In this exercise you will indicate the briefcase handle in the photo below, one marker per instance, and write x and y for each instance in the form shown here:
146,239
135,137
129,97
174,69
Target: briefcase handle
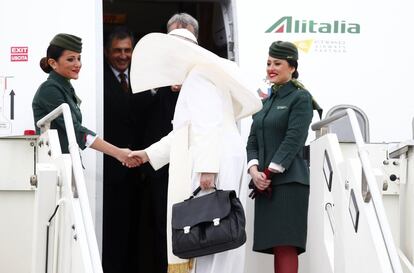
197,191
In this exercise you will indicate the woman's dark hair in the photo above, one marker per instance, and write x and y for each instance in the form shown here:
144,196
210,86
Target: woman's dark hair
53,52
294,63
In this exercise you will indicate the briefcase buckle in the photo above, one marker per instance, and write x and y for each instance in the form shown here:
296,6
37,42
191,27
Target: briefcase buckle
187,229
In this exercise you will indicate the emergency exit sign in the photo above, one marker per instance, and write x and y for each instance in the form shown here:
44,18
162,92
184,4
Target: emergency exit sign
19,54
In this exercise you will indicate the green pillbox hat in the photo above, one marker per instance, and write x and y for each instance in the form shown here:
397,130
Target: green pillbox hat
67,41
283,50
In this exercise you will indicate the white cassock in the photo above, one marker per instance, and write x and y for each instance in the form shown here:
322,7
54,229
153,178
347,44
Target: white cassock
205,138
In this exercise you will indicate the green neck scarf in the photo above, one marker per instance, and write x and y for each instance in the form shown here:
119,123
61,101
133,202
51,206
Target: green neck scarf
295,82
276,87
299,85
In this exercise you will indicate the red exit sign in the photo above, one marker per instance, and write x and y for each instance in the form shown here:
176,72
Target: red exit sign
19,54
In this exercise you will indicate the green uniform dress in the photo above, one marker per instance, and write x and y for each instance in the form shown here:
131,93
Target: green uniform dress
277,135
52,93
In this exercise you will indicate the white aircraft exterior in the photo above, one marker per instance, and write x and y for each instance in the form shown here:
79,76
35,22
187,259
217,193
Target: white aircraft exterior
352,52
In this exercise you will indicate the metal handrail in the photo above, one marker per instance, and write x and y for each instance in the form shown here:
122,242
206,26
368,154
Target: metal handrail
320,124
372,184
44,124
329,211
364,126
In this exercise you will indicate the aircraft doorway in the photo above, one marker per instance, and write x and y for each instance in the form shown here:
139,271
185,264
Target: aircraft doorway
142,17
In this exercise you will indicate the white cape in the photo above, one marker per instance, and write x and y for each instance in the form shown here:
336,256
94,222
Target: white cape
205,137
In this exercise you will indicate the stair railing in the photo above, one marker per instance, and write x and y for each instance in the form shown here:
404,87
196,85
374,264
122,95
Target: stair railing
373,194
44,125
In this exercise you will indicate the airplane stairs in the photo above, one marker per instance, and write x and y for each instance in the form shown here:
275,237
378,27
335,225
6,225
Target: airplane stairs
361,213
46,222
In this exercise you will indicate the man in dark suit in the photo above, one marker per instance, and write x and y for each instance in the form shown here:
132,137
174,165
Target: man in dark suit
121,203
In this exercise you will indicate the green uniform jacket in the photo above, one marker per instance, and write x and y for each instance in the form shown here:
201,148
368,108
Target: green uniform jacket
52,93
279,132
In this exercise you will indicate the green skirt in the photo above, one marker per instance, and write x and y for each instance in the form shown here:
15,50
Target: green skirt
282,219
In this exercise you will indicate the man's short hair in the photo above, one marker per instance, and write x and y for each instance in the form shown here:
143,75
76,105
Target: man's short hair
119,33
183,20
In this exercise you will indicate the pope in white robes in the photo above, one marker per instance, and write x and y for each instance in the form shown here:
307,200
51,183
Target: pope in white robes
205,139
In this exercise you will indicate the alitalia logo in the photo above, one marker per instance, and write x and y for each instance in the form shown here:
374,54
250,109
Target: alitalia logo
287,24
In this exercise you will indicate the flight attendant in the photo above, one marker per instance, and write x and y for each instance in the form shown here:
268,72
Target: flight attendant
276,164
63,64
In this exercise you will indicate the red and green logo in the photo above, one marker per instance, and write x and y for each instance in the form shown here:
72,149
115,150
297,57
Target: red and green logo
287,24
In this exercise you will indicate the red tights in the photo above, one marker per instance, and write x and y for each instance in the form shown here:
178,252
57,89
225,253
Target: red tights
286,259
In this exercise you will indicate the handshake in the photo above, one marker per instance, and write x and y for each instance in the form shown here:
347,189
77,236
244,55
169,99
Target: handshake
130,158
133,159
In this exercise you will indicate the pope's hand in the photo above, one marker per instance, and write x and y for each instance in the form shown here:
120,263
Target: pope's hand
207,181
139,155
130,162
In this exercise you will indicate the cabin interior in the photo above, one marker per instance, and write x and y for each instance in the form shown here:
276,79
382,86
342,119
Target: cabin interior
143,17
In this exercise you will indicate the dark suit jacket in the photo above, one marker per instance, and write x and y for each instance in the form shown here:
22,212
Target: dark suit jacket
160,112
124,120
158,117
121,202
279,132
117,111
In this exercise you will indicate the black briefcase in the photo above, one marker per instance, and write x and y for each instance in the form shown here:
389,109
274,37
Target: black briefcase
209,224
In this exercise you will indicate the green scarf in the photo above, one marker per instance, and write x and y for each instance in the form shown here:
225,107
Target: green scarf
299,85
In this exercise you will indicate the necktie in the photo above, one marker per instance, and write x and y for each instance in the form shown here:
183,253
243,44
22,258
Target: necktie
124,83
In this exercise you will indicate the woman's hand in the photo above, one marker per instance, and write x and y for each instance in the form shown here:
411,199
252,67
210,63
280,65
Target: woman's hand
123,157
121,154
207,181
259,178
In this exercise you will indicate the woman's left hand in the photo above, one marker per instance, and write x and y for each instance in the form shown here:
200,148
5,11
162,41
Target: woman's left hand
207,181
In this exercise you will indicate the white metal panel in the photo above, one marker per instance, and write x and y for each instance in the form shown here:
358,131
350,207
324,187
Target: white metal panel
320,246
17,163
44,206
360,249
407,211
16,216
16,203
